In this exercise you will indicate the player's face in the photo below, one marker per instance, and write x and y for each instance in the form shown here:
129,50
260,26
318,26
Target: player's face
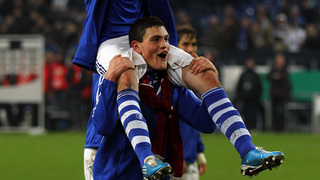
155,47
188,44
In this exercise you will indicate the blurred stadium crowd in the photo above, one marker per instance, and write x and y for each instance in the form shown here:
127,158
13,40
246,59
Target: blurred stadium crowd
286,26
223,27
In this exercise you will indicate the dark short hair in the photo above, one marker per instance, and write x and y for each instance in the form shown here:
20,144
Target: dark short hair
139,27
189,31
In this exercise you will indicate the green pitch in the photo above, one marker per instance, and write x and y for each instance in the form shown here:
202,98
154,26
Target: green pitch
56,156
302,157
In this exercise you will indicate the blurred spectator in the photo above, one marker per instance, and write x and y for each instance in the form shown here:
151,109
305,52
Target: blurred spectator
182,18
40,6
60,82
20,22
59,5
312,37
295,16
40,25
280,32
308,10
285,7
77,11
27,113
248,92
229,11
263,12
49,56
70,51
244,41
79,97
230,28
280,91
230,34
9,22
213,33
5,114
18,4
33,17
7,25
266,25
187,39
51,47
295,38
70,34
58,31
257,38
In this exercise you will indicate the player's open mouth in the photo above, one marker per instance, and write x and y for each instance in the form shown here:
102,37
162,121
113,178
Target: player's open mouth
163,55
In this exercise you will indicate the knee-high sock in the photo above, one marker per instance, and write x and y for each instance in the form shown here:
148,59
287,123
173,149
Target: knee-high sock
134,123
228,120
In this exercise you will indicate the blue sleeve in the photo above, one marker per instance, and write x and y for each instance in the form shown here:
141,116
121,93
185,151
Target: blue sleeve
164,13
105,111
88,43
200,145
193,112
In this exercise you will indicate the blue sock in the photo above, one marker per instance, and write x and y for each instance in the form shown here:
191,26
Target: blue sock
134,123
228,120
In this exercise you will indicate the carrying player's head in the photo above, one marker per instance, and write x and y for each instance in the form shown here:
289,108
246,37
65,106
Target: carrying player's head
149,38
187,39
139,27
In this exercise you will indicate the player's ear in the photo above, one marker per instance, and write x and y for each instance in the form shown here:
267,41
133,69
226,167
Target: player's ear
136,46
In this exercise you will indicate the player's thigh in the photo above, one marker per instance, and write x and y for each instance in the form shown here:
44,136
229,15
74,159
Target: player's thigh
177,60
108,49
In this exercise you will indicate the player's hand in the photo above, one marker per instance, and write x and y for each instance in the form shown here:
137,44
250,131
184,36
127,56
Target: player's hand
202,168
117,66
202,163
184,167
201,64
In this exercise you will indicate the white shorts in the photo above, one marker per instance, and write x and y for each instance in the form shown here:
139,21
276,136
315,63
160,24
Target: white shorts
89,156
192,172
177,59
